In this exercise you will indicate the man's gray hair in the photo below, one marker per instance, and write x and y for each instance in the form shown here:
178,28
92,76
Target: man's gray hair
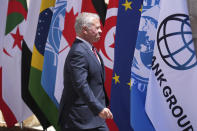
84,19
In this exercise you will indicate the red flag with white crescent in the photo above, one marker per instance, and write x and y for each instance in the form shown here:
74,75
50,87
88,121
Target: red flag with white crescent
106,49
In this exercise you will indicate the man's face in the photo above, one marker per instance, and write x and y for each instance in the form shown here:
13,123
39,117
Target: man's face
94,31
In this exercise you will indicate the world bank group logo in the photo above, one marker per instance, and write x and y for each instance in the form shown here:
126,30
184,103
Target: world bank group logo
175,43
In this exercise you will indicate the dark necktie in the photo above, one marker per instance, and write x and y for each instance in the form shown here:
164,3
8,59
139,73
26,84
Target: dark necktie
95,53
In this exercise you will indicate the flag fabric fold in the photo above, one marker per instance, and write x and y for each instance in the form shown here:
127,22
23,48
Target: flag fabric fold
27,47
100,7
107,42
172,85
38,93
7,113
126,34
106,50
52,49
11,59
141,64
68,36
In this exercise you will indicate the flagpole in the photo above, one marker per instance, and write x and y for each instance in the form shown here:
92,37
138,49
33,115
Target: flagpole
21,125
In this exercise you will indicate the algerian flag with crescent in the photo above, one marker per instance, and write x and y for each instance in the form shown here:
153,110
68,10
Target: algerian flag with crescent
11,59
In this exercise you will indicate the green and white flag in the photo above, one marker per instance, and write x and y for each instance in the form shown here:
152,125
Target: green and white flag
11,59
7,113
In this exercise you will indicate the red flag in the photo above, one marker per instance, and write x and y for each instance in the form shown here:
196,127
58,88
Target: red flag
11,59
7,113
106,49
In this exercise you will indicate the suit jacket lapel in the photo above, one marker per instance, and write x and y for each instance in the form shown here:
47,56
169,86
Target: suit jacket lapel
100,65
94,57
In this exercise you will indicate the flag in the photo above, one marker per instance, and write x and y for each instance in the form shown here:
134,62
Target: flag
97,7
171,94
126,34
101,8
107,42
11,59
52,49
72,10
141,65
106,50
40,96
27,47
7,113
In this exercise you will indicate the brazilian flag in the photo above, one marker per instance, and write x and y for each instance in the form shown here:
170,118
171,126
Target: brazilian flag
42,99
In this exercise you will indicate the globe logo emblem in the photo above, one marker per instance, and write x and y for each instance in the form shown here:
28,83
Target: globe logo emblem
142,61
175,43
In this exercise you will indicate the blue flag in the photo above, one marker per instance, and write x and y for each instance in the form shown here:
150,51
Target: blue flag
141,65
52,49
125,40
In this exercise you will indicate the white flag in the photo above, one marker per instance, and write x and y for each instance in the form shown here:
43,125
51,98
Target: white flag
171,94
72,10
31,23
11,59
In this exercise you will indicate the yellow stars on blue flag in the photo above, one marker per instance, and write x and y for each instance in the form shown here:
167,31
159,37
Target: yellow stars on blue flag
127,5
141,8
116,78
129,84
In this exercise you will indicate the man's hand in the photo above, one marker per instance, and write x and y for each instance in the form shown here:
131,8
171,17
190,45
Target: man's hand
106,114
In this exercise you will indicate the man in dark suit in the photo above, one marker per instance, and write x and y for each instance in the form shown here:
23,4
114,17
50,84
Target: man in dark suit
84,101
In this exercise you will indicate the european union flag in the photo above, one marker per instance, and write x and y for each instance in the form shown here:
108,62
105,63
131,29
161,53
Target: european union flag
126,34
